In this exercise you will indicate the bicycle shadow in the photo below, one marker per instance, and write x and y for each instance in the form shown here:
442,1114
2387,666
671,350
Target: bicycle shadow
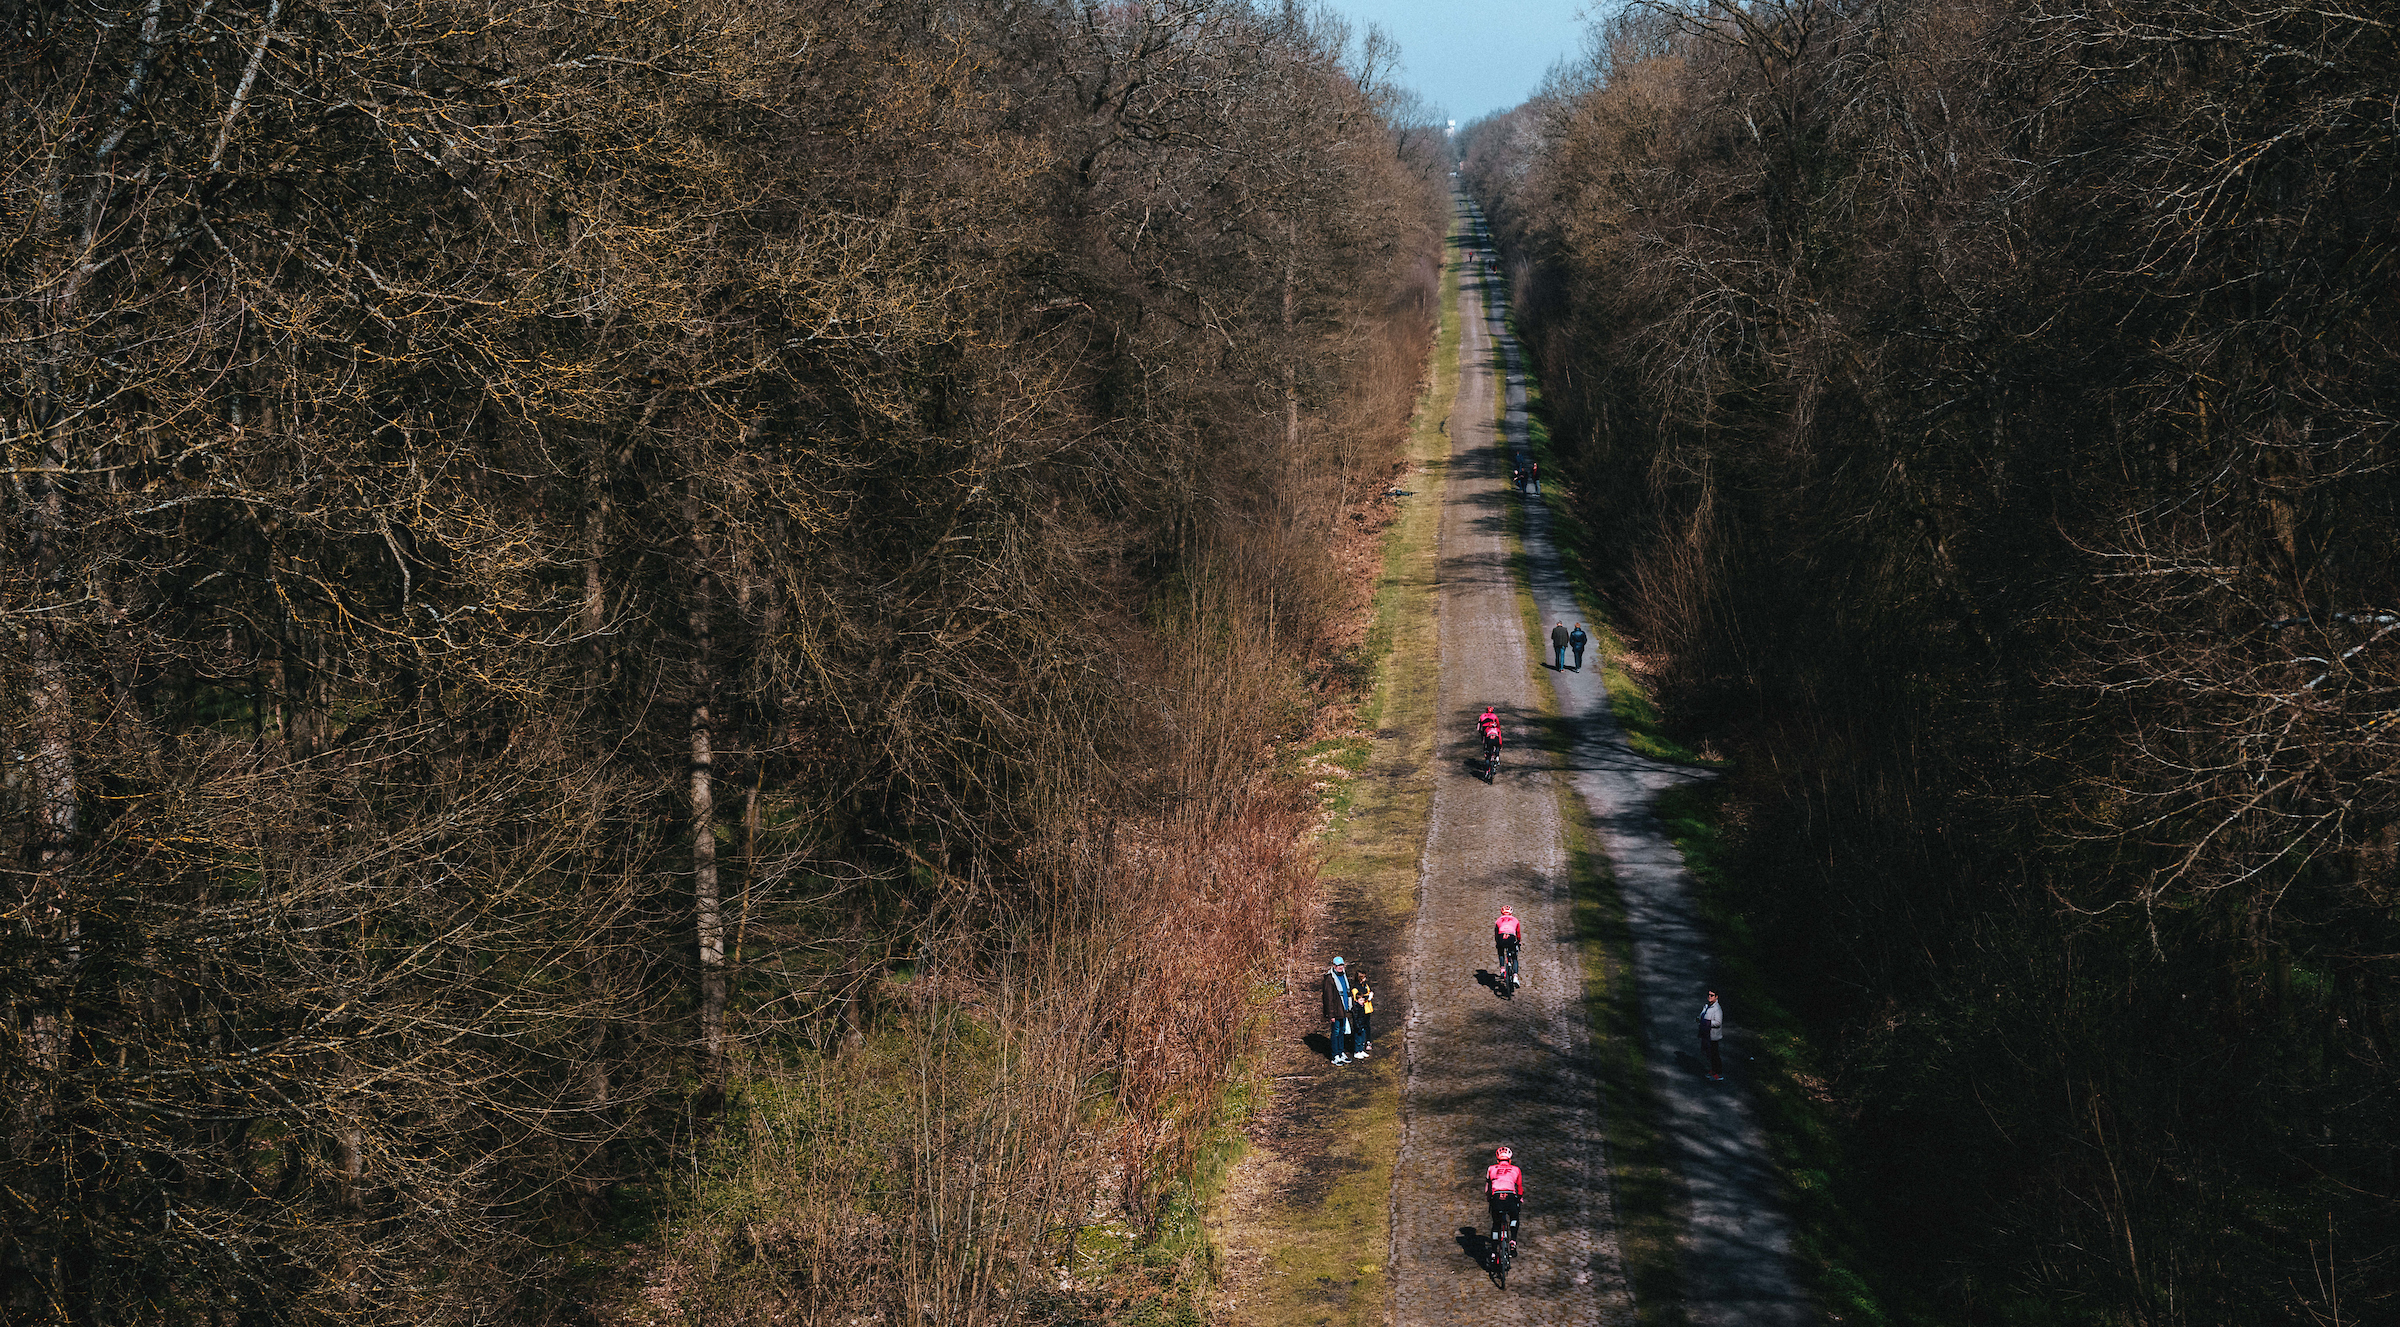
1492,982
1475,1243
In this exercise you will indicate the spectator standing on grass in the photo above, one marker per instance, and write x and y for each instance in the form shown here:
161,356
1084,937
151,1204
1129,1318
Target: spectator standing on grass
1576,640
1362,1013
1338,1001
1558,645
1533,476
1712,1037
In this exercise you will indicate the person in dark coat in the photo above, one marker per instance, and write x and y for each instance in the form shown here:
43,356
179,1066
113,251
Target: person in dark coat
1338,1000
1576,640
1558,647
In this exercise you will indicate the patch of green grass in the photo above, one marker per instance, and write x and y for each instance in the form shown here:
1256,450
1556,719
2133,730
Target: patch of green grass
1379,824
1325,1260
1349,753
1344,758
1833,1244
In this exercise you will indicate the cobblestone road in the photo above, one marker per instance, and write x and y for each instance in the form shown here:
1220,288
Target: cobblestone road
1480,1070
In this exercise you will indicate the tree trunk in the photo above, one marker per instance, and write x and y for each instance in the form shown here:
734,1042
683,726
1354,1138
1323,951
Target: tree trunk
707,906
1291,341
56,788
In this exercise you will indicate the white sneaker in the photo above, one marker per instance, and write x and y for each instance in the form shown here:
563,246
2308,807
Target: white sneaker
1341,1059
1361,1055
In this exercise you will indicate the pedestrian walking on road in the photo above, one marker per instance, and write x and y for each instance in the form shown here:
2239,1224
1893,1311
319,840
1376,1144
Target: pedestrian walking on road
1338,1001
1362,1012
1533,475
1712,1037
1559,640
1576,640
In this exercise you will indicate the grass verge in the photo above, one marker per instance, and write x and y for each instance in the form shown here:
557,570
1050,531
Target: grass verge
1320,1244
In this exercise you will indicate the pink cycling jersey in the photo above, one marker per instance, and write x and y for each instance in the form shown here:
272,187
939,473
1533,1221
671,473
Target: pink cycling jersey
1506,925
1503,1177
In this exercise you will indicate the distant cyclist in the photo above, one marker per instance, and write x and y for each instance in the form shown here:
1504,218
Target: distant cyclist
1506,933
1489,726
1504,1194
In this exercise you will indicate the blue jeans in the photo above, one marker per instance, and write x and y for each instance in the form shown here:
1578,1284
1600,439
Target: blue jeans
1561,661
1341,1039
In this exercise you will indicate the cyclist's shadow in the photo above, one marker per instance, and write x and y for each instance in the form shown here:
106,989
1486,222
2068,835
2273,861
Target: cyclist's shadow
1489,979
1476,1244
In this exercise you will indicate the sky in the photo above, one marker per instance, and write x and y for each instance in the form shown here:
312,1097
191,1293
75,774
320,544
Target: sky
1473,57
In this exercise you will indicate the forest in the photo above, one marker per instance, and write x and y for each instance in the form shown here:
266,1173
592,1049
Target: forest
1985,414
665,627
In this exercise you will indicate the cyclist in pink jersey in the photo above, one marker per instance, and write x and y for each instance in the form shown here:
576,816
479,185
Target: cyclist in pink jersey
1505,934
1504,1194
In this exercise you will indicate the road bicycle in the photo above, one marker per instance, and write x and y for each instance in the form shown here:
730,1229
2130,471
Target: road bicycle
1491,757
1503,1246
1508,971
